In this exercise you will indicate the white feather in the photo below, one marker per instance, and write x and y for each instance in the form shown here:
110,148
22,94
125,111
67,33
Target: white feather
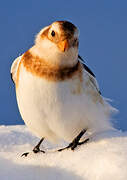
52,109
14,68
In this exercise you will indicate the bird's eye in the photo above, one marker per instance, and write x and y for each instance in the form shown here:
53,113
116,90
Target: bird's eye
53,33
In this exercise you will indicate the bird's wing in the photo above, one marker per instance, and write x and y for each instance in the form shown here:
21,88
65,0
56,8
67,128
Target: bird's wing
90,74
93,90
14,68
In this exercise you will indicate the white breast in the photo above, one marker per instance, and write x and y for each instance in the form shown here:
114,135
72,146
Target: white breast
56,110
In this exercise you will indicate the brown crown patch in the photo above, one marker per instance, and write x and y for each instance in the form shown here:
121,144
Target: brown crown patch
42,69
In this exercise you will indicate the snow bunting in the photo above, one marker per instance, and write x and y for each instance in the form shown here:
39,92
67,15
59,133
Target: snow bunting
57,94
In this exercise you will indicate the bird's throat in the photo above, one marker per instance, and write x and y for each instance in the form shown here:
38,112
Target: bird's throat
42,69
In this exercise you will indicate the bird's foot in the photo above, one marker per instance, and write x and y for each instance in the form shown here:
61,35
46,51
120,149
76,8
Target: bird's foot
37,147
35,150
73,145
76,142
83,142
25,154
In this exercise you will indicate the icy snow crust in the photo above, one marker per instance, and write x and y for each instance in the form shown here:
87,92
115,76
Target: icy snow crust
103,158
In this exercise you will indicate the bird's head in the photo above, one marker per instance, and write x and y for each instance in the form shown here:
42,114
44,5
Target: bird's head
58,43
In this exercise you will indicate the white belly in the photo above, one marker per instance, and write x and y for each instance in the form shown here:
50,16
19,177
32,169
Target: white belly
53,109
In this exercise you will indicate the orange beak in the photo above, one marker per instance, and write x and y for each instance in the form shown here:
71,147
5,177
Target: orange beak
63,45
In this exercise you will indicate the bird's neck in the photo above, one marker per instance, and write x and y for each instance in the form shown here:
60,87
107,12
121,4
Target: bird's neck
39,67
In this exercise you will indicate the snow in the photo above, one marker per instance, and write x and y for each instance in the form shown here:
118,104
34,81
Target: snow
103,158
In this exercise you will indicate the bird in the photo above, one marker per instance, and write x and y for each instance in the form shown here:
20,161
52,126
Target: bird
57,94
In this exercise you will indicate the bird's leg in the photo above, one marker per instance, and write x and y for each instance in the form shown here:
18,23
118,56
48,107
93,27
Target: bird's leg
76,142
36,148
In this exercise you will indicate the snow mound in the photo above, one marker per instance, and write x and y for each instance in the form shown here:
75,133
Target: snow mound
103,158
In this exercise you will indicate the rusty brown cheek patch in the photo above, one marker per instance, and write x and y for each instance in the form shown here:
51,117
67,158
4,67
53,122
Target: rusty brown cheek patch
40,68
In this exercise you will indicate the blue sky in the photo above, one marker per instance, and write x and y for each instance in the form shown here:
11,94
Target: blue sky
103,45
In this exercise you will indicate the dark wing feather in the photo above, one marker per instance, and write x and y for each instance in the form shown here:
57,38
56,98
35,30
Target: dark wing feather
86,67
93,80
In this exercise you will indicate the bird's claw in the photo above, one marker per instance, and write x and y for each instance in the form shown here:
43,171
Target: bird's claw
34,150
37,150
74,144
25,154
